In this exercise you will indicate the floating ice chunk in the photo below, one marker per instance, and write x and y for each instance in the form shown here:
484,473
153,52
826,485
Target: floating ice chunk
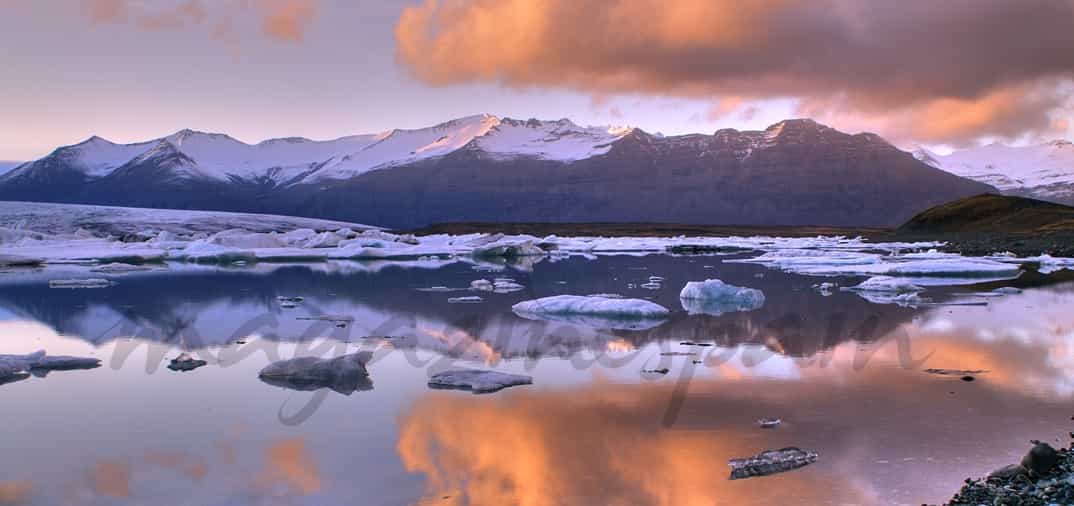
1007,290
947,267
886,284
185,362
714,297
436,289
506,286
483,285
470,299
80,283
826,289
344,374
597,306
771,462
598,312
769,423
477,381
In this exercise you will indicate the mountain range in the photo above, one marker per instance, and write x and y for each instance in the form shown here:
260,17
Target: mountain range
1042,171
491,169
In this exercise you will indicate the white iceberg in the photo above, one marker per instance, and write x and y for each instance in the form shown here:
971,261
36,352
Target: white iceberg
483,285
477,381
596,306
714,297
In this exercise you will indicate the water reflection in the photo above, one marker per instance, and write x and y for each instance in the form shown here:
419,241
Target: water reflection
193,310
846,377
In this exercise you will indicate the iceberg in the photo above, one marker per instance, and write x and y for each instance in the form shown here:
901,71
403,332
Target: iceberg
594,306
344,374
477,381
594,311
714,297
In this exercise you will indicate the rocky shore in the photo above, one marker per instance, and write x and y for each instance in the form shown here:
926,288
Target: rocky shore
1045,476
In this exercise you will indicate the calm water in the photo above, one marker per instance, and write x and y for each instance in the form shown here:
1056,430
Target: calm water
845,375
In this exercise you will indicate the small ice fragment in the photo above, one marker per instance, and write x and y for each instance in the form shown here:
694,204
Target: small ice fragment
769,423
482,285
471,299
185,362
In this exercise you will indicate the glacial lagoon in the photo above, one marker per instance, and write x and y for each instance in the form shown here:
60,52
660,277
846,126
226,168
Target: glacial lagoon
844,373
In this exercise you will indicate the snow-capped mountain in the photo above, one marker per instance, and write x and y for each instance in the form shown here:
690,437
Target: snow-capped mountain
485,168
1043,171
219,157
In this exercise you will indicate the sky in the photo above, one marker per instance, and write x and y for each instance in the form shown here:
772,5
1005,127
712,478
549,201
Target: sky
943,74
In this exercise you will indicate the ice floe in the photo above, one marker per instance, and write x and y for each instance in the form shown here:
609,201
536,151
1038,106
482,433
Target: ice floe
714,297
477,381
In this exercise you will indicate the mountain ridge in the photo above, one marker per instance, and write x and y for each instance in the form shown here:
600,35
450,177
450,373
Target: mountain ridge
486,168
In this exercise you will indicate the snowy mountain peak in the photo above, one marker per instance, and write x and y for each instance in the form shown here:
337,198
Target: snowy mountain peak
1044,171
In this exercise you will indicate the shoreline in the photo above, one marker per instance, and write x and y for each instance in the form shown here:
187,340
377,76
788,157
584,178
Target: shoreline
1059,243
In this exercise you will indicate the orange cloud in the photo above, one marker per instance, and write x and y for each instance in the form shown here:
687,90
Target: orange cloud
287,20
107,11
283,20
966,62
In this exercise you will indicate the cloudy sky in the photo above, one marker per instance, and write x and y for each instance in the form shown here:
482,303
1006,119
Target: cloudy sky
946,73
